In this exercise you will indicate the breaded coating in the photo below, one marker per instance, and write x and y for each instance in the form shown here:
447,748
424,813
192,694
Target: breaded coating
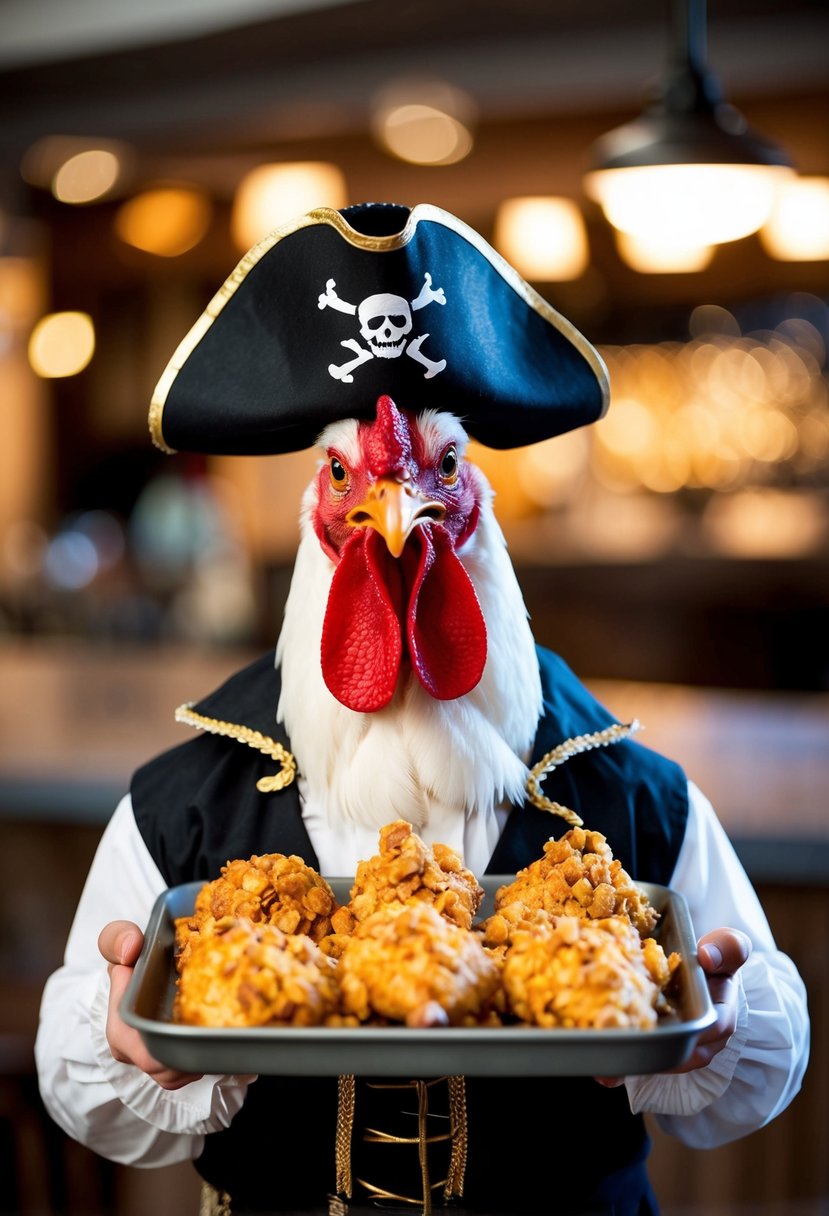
408,871
569,943
414,966
249,974
498,931
577,876
273,888
578,974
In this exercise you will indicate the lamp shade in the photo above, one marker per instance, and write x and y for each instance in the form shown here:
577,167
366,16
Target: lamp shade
687,125
690,163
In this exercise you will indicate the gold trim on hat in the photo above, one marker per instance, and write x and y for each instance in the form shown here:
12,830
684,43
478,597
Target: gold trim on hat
371,244
253,738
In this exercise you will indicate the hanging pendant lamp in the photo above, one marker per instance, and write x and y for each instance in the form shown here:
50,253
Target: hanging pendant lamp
689,168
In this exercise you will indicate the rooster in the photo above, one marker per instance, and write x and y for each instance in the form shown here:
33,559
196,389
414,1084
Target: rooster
406,685
410,683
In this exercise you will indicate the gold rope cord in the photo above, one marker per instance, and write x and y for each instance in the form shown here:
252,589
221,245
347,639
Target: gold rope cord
423,1145
452,1184
253,738
345,1127
457,1115
565,751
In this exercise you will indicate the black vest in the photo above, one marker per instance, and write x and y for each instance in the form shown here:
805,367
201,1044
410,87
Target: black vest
544,1146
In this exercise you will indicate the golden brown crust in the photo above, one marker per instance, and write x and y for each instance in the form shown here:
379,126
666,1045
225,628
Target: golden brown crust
575,973
408,871
272,888
248,974
414,966
568,945
577,876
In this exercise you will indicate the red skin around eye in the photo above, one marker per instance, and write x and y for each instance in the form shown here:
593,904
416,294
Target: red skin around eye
387,612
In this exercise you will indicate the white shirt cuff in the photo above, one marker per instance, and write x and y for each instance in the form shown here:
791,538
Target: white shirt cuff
203,1106
687,1093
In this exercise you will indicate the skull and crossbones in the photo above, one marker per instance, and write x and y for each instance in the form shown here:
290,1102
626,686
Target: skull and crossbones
385,324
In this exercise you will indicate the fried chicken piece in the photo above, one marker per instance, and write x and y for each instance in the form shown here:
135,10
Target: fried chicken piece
576,973
272,888
498,931
248,974
407,871
414,966
576,876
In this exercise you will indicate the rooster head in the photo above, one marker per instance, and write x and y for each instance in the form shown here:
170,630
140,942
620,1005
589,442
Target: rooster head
395,503
410,683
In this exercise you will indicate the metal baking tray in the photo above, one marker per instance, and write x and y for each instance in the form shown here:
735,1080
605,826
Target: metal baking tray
397,1050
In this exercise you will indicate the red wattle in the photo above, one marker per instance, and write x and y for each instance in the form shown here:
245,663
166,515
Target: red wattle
445,627
362,644
361,641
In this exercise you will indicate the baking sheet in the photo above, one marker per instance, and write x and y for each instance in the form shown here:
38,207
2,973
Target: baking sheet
397,1050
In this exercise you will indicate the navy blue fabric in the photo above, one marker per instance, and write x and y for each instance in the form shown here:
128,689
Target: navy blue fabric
197,806
637,798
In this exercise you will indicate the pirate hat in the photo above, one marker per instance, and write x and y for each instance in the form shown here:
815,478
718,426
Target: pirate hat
329,312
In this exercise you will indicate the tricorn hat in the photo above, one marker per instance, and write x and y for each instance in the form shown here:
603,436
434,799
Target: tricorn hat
330,312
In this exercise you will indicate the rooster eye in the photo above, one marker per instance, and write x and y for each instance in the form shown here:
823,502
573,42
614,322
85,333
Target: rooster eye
338,474
449,465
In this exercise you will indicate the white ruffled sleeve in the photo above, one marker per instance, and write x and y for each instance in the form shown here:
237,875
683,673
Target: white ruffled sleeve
761,1068
113,1108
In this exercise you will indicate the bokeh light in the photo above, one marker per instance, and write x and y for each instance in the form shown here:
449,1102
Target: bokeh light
165,221
62,344
87,176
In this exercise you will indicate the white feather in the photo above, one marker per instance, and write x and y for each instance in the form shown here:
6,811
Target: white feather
420,759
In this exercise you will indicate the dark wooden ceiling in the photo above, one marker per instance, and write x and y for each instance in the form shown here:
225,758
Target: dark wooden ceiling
547,76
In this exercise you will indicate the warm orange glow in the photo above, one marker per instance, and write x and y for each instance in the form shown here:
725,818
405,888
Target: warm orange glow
423,135
551,470
62,344
544,238
21,292
649,254
715,413
86,176
256,483
628,429
166,221
424,122
26,483
766,523
271,195
693,204
798,227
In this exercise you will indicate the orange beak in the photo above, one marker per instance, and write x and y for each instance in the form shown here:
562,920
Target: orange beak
393,509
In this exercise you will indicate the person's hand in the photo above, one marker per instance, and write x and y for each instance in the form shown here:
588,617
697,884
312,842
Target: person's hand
721,954
120,943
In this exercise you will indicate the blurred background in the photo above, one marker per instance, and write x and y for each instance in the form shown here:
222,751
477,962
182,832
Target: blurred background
676,554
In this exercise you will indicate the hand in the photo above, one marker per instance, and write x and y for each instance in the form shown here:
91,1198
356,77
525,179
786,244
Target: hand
120,943
721,954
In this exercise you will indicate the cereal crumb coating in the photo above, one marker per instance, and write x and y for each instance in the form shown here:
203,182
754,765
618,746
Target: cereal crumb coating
252,974
578,974
406,871
414,966
272,888
577,875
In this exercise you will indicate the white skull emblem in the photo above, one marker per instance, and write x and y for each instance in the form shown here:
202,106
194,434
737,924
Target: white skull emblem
385,320
385,323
